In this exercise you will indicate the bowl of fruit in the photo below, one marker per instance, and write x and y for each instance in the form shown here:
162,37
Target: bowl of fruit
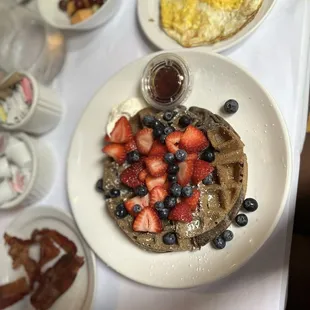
77,14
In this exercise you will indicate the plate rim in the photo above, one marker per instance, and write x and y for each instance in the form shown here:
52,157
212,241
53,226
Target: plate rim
65,216
210,47
286,139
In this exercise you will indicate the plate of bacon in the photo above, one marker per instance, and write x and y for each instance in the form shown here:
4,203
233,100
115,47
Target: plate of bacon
45,263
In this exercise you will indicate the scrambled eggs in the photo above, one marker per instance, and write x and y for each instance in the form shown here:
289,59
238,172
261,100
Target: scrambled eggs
198,22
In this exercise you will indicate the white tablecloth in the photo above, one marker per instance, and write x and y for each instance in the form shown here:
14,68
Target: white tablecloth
277,55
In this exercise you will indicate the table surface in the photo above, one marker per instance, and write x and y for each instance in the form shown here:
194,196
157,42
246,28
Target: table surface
277,54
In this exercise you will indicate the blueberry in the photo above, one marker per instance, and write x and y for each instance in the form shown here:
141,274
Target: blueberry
170,202
157,132
241,220
175,190
187,191
137,208
159,205
158,124
114,192
250,204
168,130
162,139
173,169
228,235
163,213
184,121
208,155
169,158
141,190
121,211
180,155
208,180
170,238
133,157
99,185
172,178
148,121
168,116
231,106
219,242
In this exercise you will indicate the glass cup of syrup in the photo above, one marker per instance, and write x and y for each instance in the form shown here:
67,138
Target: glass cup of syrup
166,81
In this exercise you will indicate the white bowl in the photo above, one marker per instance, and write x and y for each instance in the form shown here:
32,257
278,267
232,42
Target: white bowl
42,174
51,13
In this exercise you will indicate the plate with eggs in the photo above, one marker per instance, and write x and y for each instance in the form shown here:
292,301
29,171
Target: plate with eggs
215,25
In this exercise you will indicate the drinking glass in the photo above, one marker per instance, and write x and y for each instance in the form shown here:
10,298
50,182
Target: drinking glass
29,44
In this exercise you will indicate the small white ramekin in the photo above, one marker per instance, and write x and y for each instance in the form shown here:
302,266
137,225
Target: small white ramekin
45,111
42,173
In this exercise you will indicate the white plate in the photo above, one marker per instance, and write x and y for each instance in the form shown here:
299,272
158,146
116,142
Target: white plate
81,293
263,131
149,18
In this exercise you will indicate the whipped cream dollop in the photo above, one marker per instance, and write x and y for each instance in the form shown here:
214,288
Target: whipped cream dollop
127,108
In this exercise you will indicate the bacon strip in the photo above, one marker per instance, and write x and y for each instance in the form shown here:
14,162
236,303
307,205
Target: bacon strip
66,244
13,292
56,281
19,251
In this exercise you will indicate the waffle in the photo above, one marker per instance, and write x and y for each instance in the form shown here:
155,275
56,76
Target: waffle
219,202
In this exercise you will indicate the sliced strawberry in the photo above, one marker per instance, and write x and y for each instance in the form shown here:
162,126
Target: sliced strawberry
130,175
173,140
130,145
116,151
142,175
147,221
193,140
193,156
142,201
156,165
107,138
185,173
121,132
144,140
181,212
151,182
158,149
193,200
158,193
201,170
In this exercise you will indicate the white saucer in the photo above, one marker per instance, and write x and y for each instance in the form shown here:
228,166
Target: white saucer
149,18
262,129
80,295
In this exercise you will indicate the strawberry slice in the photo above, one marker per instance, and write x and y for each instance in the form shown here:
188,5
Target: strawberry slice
142,201
193,156
193,140
181,212
158,149
193,200
185,173
116,151
173,140
121,132
147,221
156,166
158,193
142,175
129,176
151,182
130,145
201,170
107,138
144,140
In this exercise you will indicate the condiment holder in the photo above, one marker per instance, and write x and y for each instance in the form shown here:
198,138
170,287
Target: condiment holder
37,108
26,170
166,81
